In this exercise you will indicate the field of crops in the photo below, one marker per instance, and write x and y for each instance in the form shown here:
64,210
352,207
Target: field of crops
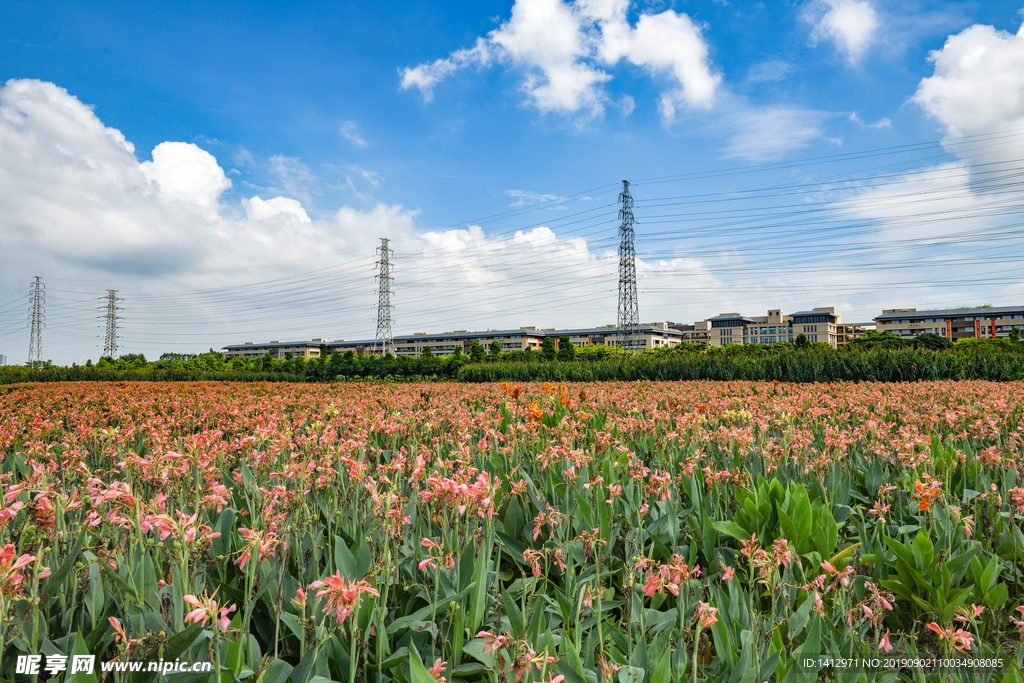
629,532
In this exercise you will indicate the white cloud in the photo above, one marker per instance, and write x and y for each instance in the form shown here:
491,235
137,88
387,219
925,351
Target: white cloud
526,198
183,172
978,84
373,177
350,131
850,24
977,89
880,123
295,177
426,76
769,132
558,46
770,72
259,210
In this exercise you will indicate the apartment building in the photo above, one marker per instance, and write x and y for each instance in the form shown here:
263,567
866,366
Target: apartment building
818,325
953,323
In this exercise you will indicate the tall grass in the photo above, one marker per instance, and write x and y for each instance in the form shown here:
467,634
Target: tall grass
876,365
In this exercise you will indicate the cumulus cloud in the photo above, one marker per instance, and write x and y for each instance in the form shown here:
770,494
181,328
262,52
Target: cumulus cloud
560,47
977,89
183,172
850,24
259,210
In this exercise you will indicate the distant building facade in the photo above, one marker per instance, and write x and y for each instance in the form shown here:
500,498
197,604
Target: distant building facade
3,359
952,323
818,325
651,336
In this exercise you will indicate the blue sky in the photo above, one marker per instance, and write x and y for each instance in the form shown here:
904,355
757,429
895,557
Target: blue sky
229,168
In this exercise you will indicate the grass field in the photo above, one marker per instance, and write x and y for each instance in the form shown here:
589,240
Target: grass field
631,532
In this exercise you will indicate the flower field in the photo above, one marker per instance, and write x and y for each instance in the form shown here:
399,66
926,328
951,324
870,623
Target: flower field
629,532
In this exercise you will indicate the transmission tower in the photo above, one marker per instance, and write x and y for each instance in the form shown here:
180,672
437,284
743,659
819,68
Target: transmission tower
629,311
110,340
385,340
36,320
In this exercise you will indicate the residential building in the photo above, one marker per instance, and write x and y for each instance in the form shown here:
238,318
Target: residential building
953,323
3,359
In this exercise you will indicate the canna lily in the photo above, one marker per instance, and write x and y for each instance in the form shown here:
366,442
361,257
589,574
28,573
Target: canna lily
206,608
342,595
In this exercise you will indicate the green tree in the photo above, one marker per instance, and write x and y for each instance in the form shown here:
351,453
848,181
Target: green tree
476,352
547,349
528,355
267,362
427,352
566,349
801,341
494,353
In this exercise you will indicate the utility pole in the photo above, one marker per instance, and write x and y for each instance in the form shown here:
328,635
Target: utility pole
36,320
110,340
629,311
385,340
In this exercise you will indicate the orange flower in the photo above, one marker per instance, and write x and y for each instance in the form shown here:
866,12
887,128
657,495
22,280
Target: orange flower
535,411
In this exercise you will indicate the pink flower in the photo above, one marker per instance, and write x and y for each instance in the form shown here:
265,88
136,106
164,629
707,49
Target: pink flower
206,608
342,595
884,642
494,642
728,573
437,669
706,615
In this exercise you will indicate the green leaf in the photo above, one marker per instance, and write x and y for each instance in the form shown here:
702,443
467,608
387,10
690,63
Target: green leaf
418,672
277,672
731,529
475,649
81,648
514,614
51,586
478,597
344,562
799,618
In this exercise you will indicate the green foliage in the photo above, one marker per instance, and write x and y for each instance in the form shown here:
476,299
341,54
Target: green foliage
547,349
783,362
477,352
494,351
566,349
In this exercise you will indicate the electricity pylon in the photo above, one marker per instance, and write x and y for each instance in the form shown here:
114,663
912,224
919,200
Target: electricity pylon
385,340
629,311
